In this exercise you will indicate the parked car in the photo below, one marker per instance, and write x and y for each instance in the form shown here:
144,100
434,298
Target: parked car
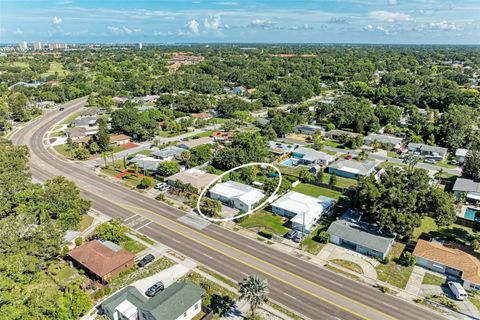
162,186
290,234
61,109
430,161
457,290
146,260
298,237
153,290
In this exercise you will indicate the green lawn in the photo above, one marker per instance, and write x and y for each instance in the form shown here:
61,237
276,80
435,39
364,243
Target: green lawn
444,164
333,144
294,172
337,270
55,67
131,245
265,220
392,272
203,134
310,243
167,134
454,232
432,279
392,154
71,117
64,150
315,191
85,222
475,299
348,265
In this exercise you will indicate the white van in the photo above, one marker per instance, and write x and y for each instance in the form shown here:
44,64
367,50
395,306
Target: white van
457,290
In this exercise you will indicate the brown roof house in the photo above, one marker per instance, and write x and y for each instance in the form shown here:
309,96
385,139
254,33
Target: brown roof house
119,139
451,259
103,259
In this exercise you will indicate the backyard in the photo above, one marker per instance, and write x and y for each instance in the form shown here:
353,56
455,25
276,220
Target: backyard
455,232
295,171
315,191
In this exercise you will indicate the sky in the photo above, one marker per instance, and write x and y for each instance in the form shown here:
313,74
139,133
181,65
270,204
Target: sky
241,21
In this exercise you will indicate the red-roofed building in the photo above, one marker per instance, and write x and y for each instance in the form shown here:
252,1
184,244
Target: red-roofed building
203,116
102,259
119,139
222,136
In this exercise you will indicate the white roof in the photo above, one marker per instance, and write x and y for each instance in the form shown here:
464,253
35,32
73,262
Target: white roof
461,152
235,190
312,154
299,203
127,309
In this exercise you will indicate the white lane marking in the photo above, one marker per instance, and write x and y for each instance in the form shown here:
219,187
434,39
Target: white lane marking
389,305
290,296
175,240
336,283
244,273
292,264
209,257
146,224
251,247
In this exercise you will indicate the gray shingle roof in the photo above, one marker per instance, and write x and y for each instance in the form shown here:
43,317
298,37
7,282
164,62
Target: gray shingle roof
466,185
168,152
353,166
130,293
427,148
312,154
173,301
362,234
383,138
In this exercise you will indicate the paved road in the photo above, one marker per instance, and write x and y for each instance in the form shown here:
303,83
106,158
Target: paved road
306,288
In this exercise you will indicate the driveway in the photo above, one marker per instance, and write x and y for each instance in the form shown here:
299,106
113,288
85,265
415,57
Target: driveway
167,277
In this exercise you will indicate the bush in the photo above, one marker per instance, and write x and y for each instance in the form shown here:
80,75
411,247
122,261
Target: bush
323,237
239,220
146,183
265,233
102,292
78,241
475,244
408,259
112,230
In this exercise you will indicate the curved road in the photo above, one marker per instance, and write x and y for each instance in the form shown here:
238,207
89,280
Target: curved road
313,292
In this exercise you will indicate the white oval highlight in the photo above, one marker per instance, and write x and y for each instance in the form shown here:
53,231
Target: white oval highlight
269,199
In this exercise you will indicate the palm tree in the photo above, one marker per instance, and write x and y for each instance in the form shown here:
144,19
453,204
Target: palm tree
254,290
41,212
104,156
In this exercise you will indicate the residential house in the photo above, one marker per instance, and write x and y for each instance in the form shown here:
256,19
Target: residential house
451,259
181,300
222,136
146,163
78,133
236,195
197,178
360,236
336,134
387,140
468,188
123,305
307,129
352,169
102,259
91,112
428,151
169,153
460,154
46,104
119,139
309,156
279,148
195,143
262,121
85,122
302,210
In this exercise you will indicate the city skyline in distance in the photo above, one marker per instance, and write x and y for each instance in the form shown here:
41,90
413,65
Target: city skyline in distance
322,21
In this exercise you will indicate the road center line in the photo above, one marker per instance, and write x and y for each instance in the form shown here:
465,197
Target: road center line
290,296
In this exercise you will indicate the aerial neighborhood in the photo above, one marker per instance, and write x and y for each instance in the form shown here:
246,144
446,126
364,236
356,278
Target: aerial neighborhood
353,166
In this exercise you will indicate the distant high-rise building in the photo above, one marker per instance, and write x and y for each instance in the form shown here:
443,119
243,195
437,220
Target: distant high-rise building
56,46
37,46
140,46
23,46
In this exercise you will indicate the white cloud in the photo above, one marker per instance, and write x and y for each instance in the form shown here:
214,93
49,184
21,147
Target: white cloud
193,26
18,31
392,2
212,23
368,28
444,25
56,20
261,23
390,16
226,3
123,30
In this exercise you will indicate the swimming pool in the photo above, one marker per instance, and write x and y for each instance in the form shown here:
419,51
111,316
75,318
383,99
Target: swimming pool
290,162
470,214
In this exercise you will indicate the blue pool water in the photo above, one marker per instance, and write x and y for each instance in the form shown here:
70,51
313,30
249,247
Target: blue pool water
470,214
287,162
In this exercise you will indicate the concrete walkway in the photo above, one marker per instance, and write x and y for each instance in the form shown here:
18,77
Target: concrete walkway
330,252
414,283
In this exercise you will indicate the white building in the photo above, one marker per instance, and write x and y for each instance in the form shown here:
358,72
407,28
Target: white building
23,46
37,46
460,154
237,195
304,211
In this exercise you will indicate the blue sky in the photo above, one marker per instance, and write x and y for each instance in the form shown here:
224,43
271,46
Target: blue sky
324,21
